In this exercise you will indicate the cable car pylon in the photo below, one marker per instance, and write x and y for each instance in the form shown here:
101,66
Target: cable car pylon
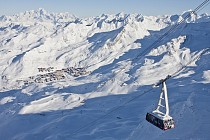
160,116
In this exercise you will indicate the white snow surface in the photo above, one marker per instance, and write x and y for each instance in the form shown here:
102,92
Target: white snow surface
106,46
206,76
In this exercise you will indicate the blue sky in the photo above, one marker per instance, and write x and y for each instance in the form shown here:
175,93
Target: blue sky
85,8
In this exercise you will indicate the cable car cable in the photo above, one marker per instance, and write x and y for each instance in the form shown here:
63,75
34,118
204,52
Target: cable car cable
94,122
136,97
155,44
204,7
173,28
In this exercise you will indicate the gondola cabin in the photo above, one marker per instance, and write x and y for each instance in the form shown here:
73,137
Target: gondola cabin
160,116
160,122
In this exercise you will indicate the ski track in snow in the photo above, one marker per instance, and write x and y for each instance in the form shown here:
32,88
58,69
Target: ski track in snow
106,46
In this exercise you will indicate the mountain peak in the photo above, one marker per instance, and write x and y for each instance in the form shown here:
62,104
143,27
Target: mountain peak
42,11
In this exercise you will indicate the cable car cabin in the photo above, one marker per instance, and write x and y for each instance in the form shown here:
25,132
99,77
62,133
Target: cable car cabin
160,122
160,116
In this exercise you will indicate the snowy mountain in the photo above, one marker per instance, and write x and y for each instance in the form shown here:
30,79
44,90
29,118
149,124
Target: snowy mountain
59,73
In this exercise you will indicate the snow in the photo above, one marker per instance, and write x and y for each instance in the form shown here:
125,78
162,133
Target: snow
206,76
52,103
7,100
59,73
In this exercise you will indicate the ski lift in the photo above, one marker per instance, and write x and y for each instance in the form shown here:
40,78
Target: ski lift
160,116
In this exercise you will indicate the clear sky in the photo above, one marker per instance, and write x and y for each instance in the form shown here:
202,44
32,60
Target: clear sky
85,8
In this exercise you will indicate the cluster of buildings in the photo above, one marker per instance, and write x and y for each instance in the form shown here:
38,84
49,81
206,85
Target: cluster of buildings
52,76
75,71
49,74
50,69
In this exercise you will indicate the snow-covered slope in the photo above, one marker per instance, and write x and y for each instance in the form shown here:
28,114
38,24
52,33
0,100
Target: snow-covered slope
60,72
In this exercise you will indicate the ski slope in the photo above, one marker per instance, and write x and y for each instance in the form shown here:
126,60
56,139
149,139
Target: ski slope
61,75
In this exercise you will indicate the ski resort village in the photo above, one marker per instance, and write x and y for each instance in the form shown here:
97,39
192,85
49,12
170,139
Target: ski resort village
108,77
